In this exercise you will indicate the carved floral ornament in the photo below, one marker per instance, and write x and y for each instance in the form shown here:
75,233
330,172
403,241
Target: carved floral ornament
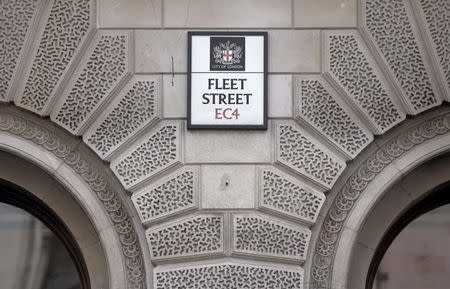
98,181
332,227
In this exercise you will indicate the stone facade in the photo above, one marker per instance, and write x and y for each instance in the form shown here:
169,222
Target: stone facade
224,209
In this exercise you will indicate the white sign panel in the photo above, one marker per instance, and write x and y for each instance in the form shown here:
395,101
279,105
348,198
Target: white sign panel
227,81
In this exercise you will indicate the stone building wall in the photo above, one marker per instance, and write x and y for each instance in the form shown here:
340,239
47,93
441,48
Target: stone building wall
227,209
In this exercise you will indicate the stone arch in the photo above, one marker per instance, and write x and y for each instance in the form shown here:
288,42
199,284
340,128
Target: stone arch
372,175
422,189
71,169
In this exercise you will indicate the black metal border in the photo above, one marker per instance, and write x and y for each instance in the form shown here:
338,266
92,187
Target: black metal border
228,127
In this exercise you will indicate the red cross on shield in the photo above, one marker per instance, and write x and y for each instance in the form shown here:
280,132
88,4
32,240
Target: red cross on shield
227,55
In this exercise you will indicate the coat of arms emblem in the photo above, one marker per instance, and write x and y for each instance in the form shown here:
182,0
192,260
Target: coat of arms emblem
227,53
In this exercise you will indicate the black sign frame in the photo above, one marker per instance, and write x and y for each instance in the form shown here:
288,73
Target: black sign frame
263,126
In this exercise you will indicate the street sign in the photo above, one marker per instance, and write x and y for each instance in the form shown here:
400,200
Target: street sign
227,80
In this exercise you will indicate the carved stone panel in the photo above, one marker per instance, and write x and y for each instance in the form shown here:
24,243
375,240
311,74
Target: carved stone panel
65,30
391,28
350,66
282,194
15,21
106,64
228,275
298,151
171,195
256,234
154,152
318,105
435,16
136,107
194,236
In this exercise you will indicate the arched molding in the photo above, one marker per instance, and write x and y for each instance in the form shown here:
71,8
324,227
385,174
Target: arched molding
90,182
365,181
424,188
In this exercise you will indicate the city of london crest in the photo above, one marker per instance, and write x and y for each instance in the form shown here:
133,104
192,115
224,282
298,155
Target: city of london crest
227,53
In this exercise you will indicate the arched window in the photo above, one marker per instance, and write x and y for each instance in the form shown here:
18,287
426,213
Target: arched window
38,252
414,252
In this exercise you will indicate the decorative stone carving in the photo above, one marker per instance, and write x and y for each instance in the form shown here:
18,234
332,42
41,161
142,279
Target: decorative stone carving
256,234
136,107
306,156
154,152
95,178
198,235
66,28
101,71
285,195
172,195
15,20
389,26
356,184
436,18
357,75
317,106
230,276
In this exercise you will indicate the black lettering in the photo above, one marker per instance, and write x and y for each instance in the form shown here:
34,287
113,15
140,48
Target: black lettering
209,82
226,83
234,83
213,96
247,95
242,80
239,98
231,98
205,98
222,97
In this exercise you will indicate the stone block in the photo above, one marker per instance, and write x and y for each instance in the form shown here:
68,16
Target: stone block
129,13
294,51
228,186
232,13
231,274
154,50
257,234
325,13
175,96
195,236
280,95
227,146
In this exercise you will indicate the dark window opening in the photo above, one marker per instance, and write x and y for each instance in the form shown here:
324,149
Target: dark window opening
414,252
38,251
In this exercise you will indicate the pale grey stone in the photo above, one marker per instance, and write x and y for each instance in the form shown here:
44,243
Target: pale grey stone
154,50
129,13
232,13
294,51
325,13
228,186
228,146
280,95
174,95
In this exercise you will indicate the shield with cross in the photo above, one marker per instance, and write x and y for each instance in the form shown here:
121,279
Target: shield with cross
227,56
227,53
